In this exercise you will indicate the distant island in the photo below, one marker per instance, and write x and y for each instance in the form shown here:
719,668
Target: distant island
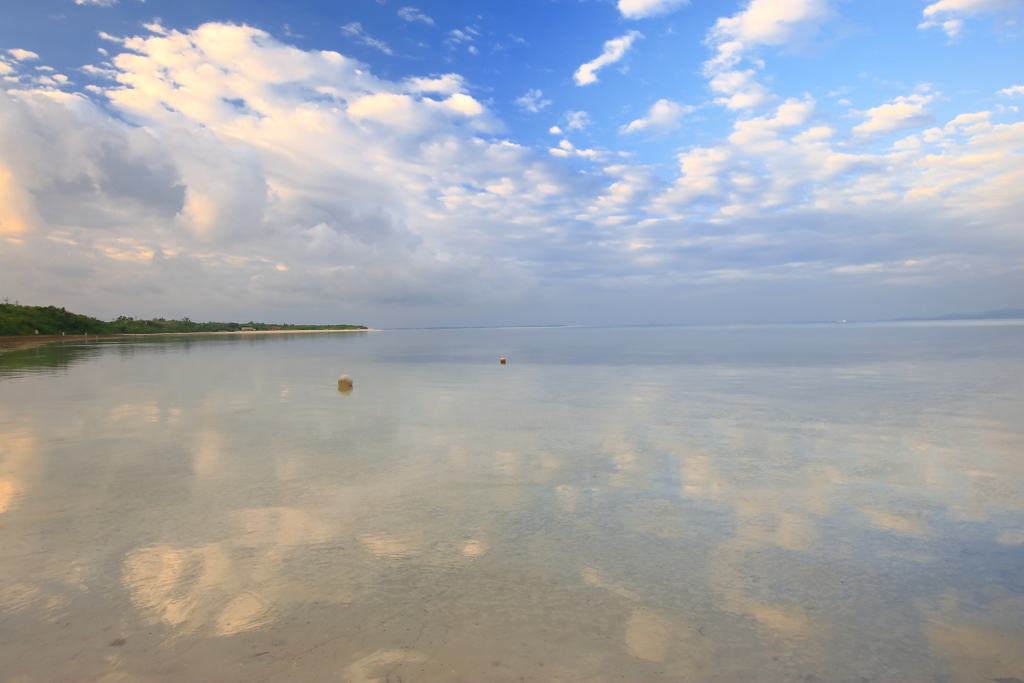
17,320
1001,314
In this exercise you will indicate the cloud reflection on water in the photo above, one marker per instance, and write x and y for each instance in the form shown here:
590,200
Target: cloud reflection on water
521,525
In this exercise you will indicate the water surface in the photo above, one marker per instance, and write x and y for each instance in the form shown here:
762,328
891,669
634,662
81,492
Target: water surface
787,503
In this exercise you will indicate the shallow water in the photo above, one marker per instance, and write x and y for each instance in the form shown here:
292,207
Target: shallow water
788,503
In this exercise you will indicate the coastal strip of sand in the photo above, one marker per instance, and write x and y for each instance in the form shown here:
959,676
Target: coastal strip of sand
20,342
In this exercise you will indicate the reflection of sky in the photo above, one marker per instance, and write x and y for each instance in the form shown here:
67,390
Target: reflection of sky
726,521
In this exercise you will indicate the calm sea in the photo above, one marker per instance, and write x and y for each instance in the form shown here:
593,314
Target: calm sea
760,503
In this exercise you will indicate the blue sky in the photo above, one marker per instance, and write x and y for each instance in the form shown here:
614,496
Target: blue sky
578,162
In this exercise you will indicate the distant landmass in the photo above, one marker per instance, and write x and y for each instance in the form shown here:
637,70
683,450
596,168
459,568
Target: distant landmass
1001,314
18,320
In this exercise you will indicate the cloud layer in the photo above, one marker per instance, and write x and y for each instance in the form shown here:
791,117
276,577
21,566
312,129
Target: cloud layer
225,171
250,166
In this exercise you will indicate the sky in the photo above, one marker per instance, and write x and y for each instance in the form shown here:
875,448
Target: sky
583,162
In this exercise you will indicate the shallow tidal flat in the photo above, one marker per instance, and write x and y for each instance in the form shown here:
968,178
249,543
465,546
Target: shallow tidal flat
787,503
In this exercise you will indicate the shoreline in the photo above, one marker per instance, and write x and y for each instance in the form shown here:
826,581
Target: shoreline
21,342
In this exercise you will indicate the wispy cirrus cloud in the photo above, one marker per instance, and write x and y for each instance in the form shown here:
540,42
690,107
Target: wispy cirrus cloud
355,30
414,14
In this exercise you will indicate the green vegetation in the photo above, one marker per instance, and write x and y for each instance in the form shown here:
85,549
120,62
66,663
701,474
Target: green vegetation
24,320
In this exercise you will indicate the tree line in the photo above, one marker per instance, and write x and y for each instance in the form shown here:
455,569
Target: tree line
17,320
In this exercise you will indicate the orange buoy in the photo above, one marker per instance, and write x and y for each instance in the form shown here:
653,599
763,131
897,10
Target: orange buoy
502,361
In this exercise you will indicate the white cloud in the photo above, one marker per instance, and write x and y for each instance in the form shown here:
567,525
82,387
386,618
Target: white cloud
555,130
532,101
662,117
447,84
973,123
739,89
355,30
969,6
948,14
638,9
101,3
414,14
903,112
98,72
464,104
761,22
577,120
614,50
766,22
566,149
413,116
457,36
787,161
22,55
1012,91
952,27
244,154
